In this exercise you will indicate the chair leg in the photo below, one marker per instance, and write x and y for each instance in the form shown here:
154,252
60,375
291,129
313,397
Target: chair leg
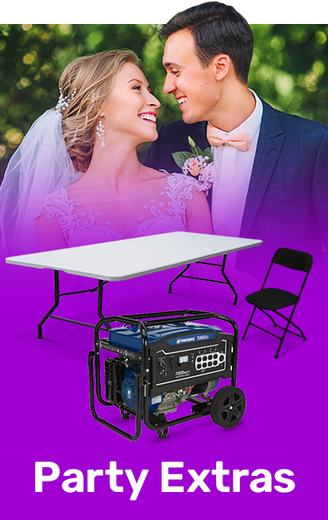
298,328
284,335
292,323
305,339
280,344
269,316
289,321
248,324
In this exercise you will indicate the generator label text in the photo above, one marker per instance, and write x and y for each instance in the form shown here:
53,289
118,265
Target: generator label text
182,373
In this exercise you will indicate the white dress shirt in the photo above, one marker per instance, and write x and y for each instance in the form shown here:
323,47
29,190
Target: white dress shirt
234,168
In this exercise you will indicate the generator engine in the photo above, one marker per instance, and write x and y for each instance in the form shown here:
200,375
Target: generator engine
120,376
162,362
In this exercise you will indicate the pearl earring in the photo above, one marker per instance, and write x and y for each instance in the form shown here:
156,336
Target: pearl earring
101,132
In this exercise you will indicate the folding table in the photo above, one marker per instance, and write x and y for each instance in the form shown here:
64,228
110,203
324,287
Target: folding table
130,258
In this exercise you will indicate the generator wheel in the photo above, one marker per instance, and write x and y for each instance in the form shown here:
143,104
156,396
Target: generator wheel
228,406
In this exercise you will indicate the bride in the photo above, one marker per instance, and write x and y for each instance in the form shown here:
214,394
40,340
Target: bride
76,178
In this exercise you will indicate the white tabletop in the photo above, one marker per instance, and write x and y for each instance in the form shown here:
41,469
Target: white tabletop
130,258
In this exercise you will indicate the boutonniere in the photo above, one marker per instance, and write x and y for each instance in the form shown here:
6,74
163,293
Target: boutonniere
197,163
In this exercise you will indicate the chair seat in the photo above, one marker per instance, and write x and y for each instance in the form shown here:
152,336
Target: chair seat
271,299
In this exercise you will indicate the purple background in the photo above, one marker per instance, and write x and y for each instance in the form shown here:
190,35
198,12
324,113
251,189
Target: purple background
46,414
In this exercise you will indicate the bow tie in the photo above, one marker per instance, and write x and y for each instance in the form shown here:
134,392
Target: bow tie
239,140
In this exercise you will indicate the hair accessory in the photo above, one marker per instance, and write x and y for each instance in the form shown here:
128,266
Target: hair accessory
101,132
63,102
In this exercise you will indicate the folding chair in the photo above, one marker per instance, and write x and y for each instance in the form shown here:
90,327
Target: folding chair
270,299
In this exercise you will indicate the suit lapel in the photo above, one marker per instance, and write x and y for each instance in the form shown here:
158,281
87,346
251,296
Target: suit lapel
271,139
202,142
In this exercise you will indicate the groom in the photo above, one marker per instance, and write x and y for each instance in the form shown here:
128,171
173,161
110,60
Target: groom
274,184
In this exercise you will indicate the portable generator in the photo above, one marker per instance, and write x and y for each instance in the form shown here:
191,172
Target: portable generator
163,360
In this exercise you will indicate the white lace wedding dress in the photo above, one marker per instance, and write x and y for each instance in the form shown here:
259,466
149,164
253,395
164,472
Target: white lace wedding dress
86,223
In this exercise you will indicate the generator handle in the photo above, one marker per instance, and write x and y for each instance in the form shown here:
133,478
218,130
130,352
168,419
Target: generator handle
130,321
234,345
169,317
134,319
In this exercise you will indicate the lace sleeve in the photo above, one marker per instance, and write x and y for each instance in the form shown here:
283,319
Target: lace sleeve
180,189
57,205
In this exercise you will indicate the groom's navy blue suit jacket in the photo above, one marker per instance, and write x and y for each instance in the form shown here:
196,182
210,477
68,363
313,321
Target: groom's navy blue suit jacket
287,200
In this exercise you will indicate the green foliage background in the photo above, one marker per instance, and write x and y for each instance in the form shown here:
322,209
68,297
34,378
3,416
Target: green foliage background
289,69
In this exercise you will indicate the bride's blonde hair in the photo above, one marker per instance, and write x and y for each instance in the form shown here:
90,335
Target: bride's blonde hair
87,82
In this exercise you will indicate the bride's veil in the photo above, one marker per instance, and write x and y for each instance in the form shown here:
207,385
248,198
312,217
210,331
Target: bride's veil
40,166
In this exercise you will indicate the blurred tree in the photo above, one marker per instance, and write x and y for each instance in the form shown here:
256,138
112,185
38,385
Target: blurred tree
289,69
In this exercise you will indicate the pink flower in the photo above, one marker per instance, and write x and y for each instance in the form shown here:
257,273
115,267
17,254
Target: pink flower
193,167
209,174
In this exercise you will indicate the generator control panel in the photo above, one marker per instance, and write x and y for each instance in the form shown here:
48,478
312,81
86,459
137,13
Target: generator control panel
190,363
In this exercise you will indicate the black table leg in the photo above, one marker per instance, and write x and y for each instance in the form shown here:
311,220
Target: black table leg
225,282
179,276
57,295
49,314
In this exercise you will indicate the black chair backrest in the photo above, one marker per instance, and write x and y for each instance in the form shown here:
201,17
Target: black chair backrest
293,259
